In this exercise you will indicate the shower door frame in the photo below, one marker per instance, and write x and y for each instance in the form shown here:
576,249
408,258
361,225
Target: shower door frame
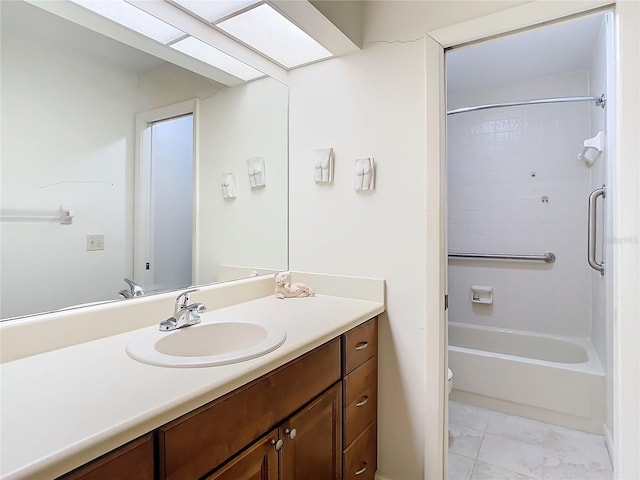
626,205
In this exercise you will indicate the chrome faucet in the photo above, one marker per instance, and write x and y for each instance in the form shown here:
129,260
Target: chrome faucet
135,290
184,313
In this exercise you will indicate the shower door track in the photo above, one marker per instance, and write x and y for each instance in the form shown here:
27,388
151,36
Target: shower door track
600,102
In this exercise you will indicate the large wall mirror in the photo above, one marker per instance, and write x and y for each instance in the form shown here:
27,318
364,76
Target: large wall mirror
83,207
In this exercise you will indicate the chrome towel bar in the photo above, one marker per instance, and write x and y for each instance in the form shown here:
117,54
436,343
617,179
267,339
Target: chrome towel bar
547,257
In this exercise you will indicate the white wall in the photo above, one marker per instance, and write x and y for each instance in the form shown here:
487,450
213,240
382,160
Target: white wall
250,230
501,163
370,104
67,139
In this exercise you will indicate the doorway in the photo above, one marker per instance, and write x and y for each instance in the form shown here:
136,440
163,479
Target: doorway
165,202
171,203
523,113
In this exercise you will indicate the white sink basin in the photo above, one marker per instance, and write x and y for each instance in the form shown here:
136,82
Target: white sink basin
206,344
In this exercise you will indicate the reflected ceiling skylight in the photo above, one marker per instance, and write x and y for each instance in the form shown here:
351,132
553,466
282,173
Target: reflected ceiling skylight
131,17
214,10
269,32
212,56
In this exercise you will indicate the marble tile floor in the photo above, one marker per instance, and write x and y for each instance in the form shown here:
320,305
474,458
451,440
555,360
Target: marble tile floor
488,445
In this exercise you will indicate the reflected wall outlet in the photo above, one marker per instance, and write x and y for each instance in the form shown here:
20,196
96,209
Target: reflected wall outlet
95,242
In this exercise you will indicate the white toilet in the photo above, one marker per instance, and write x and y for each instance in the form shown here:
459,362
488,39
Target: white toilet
449,381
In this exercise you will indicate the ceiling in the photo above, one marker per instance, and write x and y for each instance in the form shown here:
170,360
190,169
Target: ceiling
64,35
541,52
210,49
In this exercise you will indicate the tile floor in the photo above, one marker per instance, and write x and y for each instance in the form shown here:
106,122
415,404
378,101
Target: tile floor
488,445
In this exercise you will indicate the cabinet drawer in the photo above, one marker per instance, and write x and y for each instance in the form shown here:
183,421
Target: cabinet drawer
361,457
360,344
360,399
133,461
198,442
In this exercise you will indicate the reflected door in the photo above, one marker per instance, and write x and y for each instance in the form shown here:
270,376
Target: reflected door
171,203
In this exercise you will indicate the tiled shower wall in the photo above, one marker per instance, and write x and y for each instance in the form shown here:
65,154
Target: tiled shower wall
515,185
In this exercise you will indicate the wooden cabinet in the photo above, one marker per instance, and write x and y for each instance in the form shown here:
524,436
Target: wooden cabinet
196,443
305,446
360,395
258,462
359,345
312,440
360,457
133,461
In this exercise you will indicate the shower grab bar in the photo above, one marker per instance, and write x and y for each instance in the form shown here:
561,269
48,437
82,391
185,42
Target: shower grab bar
591,240
600,102
547,257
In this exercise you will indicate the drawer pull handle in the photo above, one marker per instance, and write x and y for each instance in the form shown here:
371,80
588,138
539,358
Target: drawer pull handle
363,469
291,433
277,445
362,345
363,401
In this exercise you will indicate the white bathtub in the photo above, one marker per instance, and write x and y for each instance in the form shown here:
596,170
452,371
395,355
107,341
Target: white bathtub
553,379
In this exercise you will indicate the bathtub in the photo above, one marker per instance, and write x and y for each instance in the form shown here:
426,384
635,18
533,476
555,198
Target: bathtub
552,379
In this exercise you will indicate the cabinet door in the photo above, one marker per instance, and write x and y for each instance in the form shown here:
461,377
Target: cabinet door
258,462
312,440
198,442
133,461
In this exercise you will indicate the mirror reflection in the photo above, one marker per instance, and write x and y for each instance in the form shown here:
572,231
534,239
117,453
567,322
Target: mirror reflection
118,165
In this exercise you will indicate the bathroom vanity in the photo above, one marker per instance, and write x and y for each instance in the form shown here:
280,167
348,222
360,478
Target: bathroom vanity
305,410
312,418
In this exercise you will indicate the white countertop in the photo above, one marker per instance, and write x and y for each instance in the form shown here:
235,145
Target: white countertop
63,408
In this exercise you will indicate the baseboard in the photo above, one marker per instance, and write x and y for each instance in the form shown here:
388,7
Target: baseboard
608,440
380,477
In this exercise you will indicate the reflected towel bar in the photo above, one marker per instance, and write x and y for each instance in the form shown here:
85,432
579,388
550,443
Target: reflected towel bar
64,216
547,257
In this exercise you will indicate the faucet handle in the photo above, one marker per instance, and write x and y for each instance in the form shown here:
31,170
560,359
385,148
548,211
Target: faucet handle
183,299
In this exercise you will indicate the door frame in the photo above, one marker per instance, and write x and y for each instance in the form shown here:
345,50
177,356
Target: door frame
142,187
626,205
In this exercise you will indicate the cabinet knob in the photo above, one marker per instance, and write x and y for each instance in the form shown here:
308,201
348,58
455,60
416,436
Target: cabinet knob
363,469
277,444
363,401
362,345
291,433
